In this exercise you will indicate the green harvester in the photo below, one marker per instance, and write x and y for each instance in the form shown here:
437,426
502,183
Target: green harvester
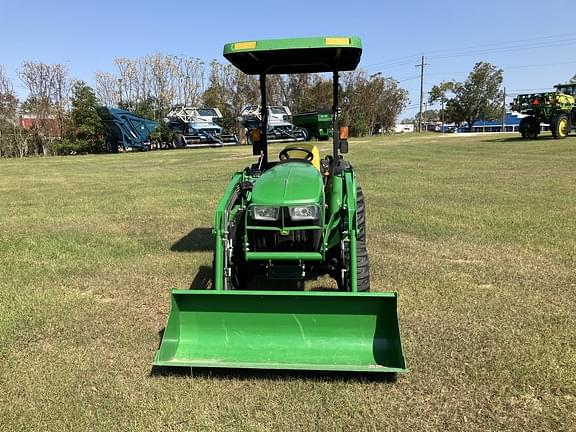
280,223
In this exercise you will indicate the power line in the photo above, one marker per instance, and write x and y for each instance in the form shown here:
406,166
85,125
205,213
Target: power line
472,53
519,44
501,44
505,68
408,78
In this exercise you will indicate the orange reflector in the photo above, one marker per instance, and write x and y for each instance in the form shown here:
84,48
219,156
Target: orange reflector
337,41
343,132
244,45
255,135
536,102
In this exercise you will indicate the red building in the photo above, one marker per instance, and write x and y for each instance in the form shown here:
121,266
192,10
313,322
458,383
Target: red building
48,124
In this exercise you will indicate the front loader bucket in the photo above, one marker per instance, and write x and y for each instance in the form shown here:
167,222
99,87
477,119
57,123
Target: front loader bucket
327,331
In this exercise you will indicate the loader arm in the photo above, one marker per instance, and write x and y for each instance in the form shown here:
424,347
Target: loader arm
350,210
220,231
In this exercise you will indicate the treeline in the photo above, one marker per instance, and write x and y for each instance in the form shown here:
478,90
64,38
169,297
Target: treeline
59,114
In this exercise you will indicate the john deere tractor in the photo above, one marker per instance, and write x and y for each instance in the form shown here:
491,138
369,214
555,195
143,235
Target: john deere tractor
558,109
282,221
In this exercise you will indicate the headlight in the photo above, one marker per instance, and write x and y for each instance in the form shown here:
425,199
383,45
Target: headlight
307,212
265,213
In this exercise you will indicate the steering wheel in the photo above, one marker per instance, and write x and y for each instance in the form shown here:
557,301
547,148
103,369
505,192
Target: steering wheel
285,153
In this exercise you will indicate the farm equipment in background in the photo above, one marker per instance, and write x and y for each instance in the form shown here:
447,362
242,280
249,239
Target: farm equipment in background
558,109
197,127
126,130
317,124
280,223
279,127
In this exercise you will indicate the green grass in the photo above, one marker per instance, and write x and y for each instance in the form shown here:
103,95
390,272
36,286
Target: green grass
477,234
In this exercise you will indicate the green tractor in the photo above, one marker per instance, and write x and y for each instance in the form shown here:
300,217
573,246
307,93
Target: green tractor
281,222
558,109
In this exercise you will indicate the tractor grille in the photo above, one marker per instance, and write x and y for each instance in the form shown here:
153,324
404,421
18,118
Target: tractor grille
295,241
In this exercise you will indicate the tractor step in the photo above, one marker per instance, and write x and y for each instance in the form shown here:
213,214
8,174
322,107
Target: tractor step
323,331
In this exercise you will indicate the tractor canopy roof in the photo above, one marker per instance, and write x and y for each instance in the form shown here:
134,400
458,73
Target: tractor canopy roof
301,55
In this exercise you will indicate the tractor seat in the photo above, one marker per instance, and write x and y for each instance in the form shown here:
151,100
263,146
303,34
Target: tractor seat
296,154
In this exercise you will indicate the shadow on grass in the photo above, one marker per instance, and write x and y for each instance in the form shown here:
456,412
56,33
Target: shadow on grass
518,139
203,279
271,374
197,240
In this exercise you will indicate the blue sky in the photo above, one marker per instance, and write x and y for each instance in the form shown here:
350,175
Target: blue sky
525,38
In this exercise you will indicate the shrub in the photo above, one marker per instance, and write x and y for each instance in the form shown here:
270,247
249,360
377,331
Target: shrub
72,147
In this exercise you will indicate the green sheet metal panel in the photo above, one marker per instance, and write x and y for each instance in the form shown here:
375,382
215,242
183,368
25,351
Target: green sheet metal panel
318,124
288,183
331,331
296,55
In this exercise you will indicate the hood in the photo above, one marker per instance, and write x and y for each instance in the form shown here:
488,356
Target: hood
287,184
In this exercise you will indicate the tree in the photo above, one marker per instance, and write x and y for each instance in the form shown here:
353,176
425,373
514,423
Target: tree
48,96
230,90
371,104
453,113
439,93
8,101
479,97
85,120
165,80
318,97
107,89
11,142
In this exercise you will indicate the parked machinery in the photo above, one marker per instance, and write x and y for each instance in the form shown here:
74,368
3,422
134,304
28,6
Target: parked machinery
279,127
197,127
318,124
126,130
557,108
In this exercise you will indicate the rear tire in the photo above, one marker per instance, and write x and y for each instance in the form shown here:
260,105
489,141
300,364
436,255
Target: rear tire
178,141
529,127
560,126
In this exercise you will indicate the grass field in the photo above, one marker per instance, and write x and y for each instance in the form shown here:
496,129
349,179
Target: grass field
477,234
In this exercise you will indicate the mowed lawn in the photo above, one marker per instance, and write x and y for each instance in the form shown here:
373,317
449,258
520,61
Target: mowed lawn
477,234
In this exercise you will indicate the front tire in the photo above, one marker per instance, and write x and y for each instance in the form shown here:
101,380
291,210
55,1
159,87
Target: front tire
362,267
362,262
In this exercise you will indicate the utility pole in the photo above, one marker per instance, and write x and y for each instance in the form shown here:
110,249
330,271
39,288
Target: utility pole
504,111
421,65
442,113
